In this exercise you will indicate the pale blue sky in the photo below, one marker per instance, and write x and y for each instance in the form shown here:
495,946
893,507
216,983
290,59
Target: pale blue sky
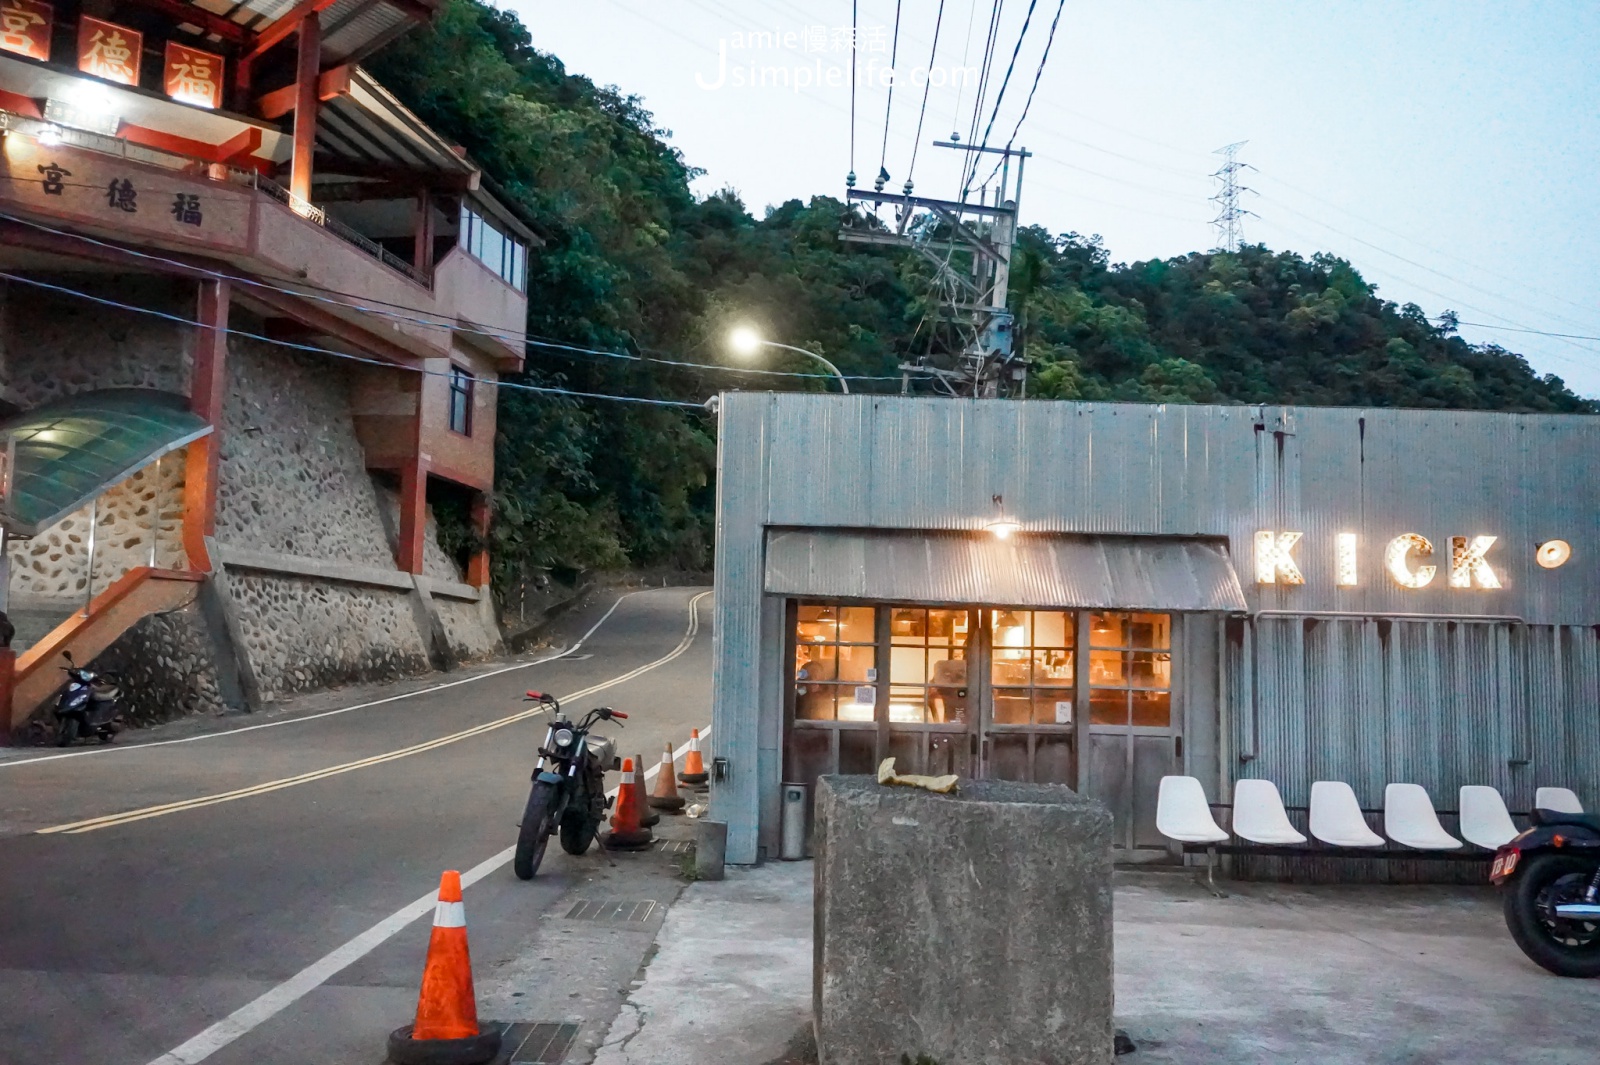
1451,150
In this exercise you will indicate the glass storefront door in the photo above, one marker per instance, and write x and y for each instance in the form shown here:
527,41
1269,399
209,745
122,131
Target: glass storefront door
1043,696
1131,744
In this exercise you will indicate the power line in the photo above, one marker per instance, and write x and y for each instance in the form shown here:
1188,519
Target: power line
927,84
436,321
1518,329
966,51
850,178
888,107
1037,74
314,349
985,68
1005,81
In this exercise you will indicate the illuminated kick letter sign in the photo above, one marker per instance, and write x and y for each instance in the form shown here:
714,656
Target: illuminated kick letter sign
1345,569
1467,566
1397,561
1274,563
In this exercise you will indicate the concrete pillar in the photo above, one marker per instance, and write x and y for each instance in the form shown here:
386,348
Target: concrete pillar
413,515
308,71
207,386
422,247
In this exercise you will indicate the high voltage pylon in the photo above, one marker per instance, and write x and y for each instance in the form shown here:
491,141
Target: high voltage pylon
1230,217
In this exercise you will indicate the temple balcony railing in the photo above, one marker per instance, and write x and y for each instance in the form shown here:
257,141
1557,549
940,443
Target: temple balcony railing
50,134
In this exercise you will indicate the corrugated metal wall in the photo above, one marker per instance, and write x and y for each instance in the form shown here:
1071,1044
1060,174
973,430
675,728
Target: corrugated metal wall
1453,686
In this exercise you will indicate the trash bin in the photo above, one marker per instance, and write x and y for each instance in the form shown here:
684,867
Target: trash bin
792,848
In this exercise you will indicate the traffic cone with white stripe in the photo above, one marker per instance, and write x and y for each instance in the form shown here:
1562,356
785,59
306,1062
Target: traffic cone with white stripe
694,769
666,796
626,831
648,818
446,1028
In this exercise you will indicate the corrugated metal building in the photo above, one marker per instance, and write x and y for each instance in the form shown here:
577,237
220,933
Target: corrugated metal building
1154,611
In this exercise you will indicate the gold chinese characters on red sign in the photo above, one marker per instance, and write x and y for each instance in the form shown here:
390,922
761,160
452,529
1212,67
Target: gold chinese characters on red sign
109,51
25,28
193,76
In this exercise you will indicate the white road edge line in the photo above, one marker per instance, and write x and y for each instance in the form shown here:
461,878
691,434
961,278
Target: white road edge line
247,1017
330,713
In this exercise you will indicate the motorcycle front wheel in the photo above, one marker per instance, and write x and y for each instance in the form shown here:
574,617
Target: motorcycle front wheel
69,732
1565,946
577,832
534,835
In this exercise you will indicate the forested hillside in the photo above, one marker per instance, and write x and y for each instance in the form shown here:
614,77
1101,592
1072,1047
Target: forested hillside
634,263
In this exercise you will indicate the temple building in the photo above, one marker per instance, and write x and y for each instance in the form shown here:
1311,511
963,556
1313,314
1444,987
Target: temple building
253,313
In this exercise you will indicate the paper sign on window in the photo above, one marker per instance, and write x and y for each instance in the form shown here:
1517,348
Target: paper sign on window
1063,711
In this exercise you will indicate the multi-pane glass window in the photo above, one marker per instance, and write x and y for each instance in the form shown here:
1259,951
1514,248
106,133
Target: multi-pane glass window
835,663
928,665
1130,669
504,255
461,401
1032,666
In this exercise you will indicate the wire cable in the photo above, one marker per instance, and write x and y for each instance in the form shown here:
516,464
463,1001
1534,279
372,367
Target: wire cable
966,52
1037,74
1001,96
888,107
927,84
991,38
315,350
854,12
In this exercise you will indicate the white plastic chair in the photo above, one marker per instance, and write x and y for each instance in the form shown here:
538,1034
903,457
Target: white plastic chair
1484,817
1409,819
1183,814
1336,816
1561,800
1259,816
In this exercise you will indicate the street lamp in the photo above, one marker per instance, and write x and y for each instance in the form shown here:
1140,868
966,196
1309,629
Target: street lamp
746,341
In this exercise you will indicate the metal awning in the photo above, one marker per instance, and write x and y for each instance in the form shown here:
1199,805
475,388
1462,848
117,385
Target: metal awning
70,451
1029,569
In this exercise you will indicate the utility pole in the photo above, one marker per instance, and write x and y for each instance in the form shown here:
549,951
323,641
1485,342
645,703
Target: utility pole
969,244
1230,217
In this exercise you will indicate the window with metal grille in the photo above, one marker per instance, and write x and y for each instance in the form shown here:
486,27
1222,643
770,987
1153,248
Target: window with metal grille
461,383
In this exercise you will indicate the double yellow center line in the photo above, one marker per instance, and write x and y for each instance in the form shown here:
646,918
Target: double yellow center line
94,824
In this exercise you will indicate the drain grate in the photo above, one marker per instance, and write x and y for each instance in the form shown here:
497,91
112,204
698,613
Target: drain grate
628,911
540,1043
674,846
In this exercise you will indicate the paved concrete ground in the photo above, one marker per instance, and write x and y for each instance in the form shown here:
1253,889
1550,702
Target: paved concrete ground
1272,974
119,944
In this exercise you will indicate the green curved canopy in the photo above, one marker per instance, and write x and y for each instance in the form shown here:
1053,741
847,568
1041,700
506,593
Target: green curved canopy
73,449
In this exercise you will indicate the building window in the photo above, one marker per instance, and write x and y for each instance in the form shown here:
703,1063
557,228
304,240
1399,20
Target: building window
835,663
500,253
461,383
1032,666
1130,669
928,653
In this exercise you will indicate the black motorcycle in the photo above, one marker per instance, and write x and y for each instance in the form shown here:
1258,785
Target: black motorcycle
1550,879
569,786
90,705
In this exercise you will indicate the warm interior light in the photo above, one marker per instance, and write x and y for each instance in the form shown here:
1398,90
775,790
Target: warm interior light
744,341
1002,528
50,136
1553,553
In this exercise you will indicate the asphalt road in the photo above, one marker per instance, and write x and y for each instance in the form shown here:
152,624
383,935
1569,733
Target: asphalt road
179,902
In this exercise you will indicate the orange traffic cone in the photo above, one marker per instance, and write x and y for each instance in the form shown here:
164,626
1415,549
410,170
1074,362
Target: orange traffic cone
666,796
626,831
446,1027
648,818
694,770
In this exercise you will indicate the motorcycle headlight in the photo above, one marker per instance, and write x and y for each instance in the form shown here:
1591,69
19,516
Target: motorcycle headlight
563,737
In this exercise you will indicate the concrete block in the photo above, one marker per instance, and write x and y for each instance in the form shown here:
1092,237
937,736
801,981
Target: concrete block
974,928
